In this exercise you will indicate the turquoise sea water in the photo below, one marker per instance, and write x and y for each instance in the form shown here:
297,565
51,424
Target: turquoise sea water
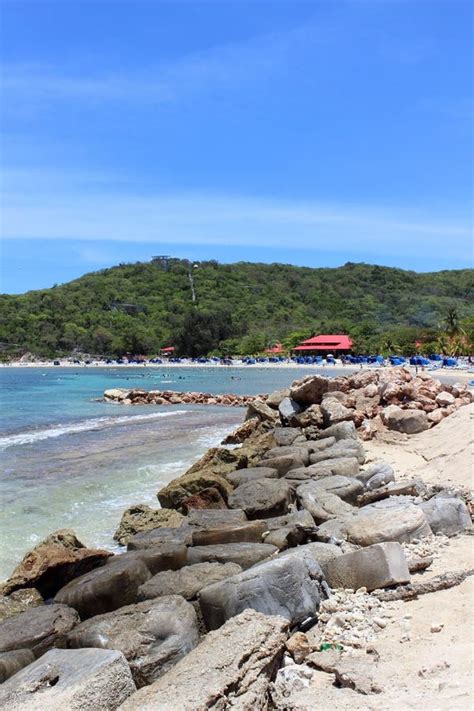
70,460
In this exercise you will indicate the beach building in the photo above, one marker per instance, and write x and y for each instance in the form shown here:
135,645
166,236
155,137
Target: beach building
324,345
276,349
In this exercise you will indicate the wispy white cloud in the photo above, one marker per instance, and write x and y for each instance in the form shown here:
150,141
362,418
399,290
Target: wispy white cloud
57,210
217,67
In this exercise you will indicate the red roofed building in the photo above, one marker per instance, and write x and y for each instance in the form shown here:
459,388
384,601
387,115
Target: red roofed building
324,344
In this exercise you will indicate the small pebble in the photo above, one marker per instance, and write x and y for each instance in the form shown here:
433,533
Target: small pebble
436,628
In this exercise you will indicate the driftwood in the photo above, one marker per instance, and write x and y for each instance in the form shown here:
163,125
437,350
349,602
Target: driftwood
413,590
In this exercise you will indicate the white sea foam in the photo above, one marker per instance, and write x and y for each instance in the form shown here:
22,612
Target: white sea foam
97,423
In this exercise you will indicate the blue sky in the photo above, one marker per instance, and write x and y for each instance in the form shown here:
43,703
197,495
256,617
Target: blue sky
312,133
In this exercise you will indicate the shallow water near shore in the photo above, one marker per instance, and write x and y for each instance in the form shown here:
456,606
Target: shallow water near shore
71,460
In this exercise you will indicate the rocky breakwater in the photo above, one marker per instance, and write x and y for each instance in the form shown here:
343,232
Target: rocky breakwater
124,396
267,572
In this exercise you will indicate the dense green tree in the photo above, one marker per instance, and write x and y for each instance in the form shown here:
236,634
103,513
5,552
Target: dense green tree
138,308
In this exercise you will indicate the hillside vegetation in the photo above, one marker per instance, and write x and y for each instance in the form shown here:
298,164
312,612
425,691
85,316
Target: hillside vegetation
234,308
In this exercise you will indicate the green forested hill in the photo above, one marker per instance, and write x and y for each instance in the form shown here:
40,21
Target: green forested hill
137,308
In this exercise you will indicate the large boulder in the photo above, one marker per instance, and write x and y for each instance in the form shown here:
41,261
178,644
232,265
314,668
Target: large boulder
300,451
285,436
283,586
347,488
38,629
176,491
334,411
283,463
79,680
446,514
162,537
341,430
152,635
288,409
258,408
262,498
389,520
13,661
19,601
277,396
310,389
141,517
248,531
406,421
156,558
242,476
377,475
322,504
312,416
231,668
186,582
341,466
106,588
244,554
377,566
53,563
321,553
210,518
341,449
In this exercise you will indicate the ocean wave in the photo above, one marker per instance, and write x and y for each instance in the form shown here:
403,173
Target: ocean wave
97,423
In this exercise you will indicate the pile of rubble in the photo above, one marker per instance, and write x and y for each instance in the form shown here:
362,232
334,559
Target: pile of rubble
137,396
267,565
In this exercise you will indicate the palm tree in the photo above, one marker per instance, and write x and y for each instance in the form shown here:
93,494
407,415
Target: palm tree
451,322
390,346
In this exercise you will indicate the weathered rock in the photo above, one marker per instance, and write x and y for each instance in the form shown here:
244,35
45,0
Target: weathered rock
167,556
243,432
106,588
231,668
257,408
242,476
172,494
298,646
262,498
319,445
244,554
290,530
309,390
277,396
38,629
183,535
116,393
321,504
283,586
188,581
341,430
446,514
141,517
342,448
285,436
342,466
79,680
282,464
347,488
54,562
152,635
248,531
19,601
319,552
377,475
444,399
311,417
288,409
388,520
13,661
377,566
210,498
334,411
407,421
407,487
210,518
301,452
